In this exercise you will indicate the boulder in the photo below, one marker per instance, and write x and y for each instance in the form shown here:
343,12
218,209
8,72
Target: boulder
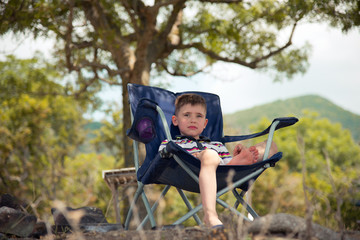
39,230
101,227
89,219
87,215
16,222
3,237
7,200
290,226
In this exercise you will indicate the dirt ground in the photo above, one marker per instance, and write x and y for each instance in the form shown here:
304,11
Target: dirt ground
180,234
193,233
174,233
189,233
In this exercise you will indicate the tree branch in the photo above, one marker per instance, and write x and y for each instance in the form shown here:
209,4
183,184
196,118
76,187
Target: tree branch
180,4
85,87
131,15
109,34
99,66
253,64
216,56
67,36
159,4
177,74
222,1
272,53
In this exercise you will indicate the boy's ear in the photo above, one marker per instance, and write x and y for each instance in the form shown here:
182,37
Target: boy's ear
206,122
174,120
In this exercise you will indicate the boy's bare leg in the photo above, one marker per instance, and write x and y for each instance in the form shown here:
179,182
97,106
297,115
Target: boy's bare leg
208,187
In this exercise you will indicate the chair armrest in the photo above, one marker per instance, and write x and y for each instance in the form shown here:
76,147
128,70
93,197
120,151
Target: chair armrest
280,123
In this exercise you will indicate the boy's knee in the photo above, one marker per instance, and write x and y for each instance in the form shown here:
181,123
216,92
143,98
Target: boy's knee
209,157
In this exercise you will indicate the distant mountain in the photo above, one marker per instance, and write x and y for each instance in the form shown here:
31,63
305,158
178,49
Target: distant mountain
294,107
91,126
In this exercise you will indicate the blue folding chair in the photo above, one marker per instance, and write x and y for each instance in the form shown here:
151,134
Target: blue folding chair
152,109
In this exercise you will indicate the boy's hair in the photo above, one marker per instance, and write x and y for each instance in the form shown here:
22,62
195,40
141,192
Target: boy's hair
189,98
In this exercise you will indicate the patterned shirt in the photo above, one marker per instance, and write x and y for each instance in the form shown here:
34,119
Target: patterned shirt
193,145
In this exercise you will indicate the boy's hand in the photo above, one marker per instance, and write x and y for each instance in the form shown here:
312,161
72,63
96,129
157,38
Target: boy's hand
196,154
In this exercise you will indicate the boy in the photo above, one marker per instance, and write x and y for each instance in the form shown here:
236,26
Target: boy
190,118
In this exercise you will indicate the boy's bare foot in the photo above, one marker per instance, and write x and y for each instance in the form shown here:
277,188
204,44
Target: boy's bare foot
213,221
246,156
261,149
255,153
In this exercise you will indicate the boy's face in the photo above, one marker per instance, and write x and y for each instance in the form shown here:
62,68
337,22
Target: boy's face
191,120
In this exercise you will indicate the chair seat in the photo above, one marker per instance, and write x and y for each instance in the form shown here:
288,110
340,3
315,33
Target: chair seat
168,172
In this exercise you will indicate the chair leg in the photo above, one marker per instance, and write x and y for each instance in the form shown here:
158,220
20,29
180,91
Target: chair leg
149,212
139,191
156,204
183,196
188,205
188,215
242,194
132,205
240,199
225,205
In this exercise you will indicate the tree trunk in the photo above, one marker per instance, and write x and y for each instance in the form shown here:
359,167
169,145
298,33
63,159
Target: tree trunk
128,149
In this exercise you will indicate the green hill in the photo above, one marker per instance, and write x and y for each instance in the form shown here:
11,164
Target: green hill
294,107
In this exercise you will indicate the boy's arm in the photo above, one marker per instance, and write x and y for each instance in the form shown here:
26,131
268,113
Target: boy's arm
163,145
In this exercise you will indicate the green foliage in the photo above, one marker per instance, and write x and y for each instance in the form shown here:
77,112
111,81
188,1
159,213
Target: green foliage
82,183
37,128
41,129
244,33
331,159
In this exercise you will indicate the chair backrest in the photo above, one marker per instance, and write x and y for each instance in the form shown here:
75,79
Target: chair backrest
166,101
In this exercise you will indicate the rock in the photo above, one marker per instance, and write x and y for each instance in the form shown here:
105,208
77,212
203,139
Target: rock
289,225
89,219
3,237
16,222
7,200
86,214
39,230
101,227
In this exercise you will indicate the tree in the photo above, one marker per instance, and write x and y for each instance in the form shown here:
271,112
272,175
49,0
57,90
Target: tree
121,42
38,130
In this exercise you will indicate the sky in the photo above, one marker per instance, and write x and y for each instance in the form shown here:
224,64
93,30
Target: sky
334,73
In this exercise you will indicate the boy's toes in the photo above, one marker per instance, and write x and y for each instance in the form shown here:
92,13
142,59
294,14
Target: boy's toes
257,157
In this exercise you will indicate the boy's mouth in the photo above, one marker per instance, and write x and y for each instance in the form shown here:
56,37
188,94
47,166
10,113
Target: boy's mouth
192,127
